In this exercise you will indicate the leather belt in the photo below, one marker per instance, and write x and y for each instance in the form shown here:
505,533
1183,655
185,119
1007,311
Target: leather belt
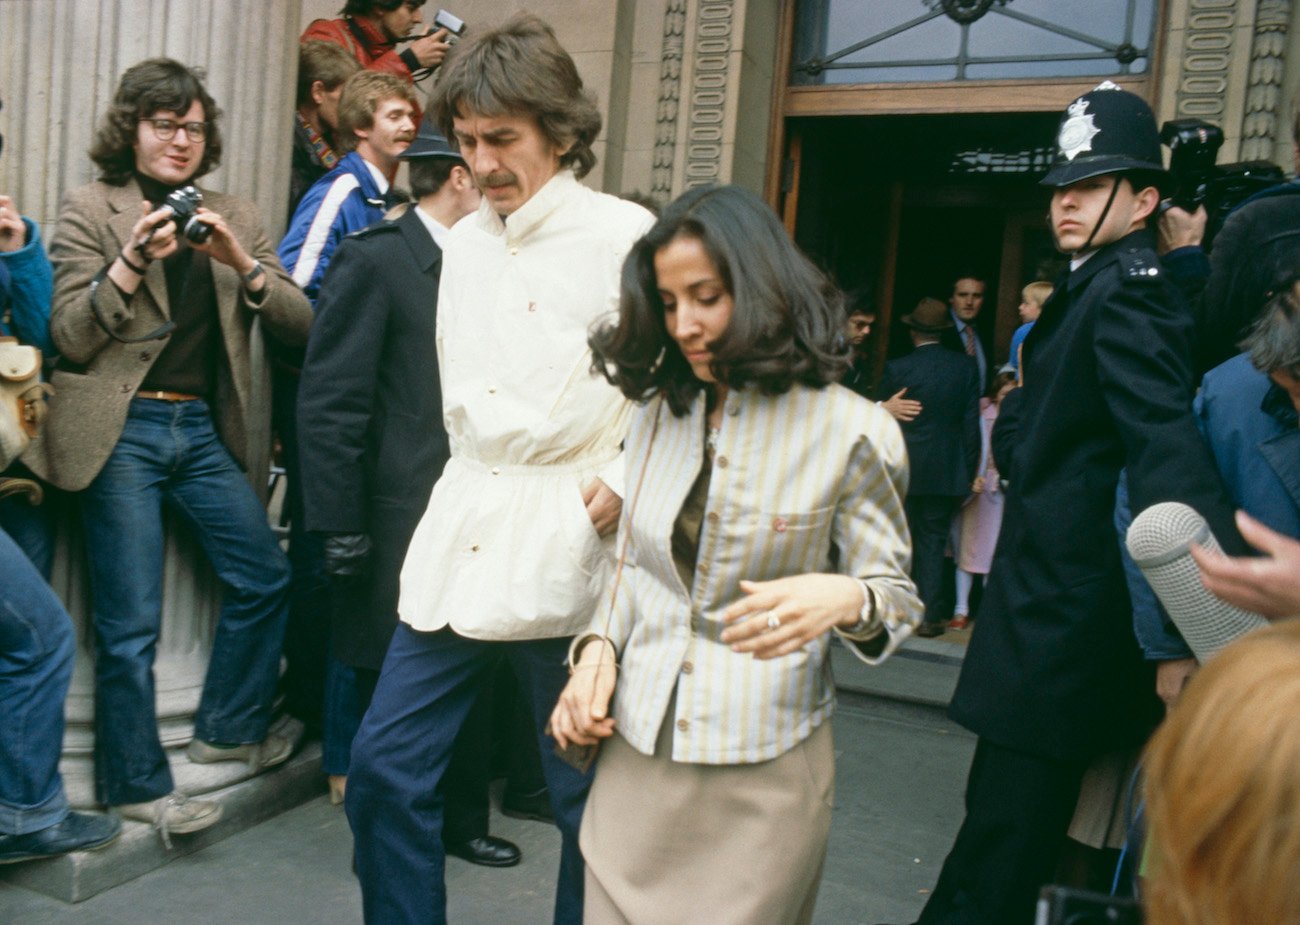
160,395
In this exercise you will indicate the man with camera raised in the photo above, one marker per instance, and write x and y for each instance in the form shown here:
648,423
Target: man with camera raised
157,288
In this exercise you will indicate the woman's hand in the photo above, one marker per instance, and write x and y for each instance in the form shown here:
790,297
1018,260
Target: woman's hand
775,618
582,715
977,485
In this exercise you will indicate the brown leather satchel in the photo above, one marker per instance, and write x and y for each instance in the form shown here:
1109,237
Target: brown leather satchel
22,408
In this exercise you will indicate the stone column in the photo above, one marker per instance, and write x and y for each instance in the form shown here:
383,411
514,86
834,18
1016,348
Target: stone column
63,61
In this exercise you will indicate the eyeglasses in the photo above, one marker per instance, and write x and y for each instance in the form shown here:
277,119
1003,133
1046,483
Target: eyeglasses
165,129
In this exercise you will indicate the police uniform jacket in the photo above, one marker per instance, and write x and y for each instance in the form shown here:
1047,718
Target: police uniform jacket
370,429
1055,669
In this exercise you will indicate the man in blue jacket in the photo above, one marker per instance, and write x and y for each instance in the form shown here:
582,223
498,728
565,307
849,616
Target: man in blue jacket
376,124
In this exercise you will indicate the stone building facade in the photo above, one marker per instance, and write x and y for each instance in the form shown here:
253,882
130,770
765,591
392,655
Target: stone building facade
692,92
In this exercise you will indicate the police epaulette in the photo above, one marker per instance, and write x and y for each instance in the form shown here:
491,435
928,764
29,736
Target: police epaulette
1139,263
376,228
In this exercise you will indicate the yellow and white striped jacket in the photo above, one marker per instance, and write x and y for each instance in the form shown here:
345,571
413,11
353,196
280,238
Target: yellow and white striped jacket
809,481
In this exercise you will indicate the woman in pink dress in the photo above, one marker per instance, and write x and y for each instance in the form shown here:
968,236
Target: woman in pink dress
981,516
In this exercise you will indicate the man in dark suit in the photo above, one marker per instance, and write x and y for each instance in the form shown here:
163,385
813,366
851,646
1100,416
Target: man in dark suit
1054,676
963,335
943,445
373,443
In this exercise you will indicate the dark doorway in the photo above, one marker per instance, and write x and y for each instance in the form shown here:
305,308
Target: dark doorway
899,206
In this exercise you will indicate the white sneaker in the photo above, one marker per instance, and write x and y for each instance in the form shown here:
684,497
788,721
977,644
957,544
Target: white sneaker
173,813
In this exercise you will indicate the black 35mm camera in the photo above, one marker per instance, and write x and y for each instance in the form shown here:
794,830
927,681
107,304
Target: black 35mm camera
1199,181
184,205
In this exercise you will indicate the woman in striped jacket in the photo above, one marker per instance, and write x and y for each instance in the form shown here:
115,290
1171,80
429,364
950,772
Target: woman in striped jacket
764,512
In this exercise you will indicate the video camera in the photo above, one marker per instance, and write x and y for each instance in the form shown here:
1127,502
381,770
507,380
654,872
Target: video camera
1198,181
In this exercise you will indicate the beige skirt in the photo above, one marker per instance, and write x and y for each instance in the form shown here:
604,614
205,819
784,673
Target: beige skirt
673,843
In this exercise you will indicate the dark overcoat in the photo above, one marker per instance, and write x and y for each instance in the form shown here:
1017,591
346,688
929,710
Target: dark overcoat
943,441
370,428
1054,668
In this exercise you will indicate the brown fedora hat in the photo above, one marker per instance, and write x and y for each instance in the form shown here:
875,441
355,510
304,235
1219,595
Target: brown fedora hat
930,317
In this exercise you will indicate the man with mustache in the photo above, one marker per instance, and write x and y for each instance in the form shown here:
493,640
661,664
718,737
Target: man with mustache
376,123
513,553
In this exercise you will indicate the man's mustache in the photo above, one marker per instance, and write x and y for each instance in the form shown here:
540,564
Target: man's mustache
498,179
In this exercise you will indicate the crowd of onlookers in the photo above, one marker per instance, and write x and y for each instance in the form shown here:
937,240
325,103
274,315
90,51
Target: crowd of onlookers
457,480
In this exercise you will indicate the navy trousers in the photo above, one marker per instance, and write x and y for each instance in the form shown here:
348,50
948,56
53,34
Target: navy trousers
426,690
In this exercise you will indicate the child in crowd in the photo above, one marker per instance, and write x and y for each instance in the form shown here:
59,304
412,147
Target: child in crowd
1032,298
981,516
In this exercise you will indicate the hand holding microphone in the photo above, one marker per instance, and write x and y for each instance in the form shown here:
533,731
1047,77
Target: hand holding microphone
1268,584
1163,542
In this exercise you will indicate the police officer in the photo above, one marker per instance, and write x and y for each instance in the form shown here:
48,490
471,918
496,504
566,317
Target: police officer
1055,677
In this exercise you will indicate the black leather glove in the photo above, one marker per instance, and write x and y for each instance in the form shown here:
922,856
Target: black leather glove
346,554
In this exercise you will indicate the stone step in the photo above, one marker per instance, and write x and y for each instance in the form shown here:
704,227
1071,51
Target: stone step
139,849
922,672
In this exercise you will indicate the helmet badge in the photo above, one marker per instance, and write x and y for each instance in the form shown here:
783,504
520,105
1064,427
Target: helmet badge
1078,130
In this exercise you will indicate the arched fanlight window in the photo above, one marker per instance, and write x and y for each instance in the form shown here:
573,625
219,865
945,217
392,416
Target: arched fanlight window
892,41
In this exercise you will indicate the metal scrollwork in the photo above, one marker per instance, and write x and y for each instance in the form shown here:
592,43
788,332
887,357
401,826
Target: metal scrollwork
965,11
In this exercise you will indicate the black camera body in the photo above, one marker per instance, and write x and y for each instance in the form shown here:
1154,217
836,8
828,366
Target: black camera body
1198,181
184,205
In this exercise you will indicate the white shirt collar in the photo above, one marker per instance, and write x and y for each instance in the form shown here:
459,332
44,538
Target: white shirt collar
521,222
436,229
1079,260
380,180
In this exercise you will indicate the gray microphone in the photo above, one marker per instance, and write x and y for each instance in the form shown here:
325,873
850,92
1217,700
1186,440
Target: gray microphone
1158,541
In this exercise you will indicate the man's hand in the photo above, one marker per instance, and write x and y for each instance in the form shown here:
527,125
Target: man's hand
1180,228
224,247
346,554
1268,585
1171,677
603,506
902,409
13,233
430,49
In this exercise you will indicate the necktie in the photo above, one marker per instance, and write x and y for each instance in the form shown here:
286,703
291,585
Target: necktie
969,333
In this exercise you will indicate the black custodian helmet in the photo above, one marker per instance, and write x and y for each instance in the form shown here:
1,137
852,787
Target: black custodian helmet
1107,130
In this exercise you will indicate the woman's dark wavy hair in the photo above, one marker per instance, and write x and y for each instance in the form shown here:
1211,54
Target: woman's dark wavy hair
145,88
520,68
787,323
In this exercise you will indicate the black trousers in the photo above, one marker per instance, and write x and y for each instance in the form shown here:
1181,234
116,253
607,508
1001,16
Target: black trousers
1018,810
929,518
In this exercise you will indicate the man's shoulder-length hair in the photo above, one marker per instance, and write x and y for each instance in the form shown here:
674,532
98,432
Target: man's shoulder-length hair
520,68
153,85
787,321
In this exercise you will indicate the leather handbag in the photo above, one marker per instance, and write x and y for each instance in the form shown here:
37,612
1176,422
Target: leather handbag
22,398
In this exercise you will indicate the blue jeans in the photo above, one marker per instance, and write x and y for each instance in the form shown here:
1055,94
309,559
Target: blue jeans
169,453
36,655
428,685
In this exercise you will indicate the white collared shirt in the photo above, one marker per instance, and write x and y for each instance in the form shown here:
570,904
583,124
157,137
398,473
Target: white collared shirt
381,181
437,230
506,549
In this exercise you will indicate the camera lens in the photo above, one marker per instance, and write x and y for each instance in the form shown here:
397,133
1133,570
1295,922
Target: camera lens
197,232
